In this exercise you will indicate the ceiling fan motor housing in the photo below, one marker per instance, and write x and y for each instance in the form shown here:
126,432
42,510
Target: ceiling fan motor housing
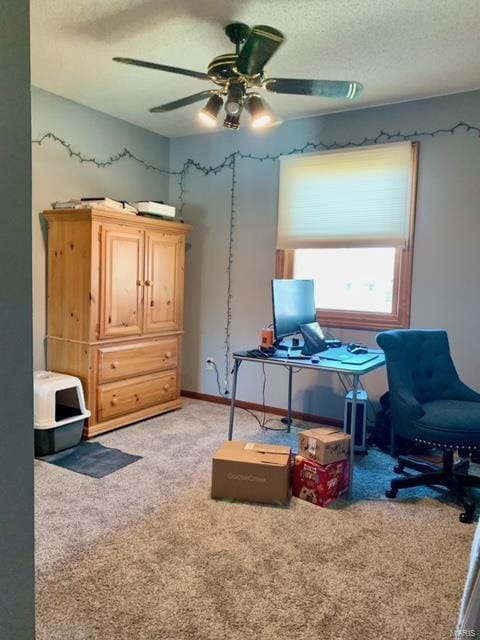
238,32
223,67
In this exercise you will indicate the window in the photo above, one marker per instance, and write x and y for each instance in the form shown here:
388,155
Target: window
346,220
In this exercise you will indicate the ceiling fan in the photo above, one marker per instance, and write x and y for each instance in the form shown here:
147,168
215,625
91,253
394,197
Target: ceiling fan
240,76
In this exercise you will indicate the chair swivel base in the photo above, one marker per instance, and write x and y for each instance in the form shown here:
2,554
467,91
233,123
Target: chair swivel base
453,477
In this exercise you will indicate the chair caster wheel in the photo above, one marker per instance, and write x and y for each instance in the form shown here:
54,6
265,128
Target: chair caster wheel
466,516
391,493
398,468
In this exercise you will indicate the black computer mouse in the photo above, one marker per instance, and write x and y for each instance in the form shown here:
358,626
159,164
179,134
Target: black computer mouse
356,351
352,346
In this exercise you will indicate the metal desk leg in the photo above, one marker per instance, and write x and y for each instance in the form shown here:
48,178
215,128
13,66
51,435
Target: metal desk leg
289,415
352,432
236,367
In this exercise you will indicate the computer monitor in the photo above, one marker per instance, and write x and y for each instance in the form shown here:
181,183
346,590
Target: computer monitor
293,305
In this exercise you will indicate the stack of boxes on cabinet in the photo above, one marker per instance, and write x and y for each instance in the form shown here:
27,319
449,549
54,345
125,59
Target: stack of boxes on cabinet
268,473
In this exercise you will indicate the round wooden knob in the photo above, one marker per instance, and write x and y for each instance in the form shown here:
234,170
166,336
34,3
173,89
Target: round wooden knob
114,401
139,283
166,387
148,283
168,354
115,364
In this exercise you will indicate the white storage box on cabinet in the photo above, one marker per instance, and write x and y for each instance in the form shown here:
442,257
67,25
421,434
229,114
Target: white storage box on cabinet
58,412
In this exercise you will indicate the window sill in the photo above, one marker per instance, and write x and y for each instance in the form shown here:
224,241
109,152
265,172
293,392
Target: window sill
361,320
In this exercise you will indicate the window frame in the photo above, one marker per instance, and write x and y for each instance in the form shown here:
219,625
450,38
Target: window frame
402,280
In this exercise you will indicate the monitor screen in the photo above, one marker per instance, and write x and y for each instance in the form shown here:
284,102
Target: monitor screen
293,305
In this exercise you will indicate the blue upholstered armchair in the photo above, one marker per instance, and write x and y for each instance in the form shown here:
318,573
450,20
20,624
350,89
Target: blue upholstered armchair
431,405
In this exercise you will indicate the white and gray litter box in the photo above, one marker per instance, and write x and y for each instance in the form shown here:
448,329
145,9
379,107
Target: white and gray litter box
58,412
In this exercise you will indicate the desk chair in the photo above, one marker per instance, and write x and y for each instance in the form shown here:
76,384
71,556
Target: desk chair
431,405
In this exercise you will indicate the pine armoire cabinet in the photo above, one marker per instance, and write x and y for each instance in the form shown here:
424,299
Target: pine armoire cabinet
115,311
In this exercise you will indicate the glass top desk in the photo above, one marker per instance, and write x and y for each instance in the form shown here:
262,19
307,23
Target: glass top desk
323,364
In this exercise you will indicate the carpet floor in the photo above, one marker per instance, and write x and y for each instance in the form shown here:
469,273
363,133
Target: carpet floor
145,554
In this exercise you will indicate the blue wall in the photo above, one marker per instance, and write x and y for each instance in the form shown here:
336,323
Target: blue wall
446,263
56,176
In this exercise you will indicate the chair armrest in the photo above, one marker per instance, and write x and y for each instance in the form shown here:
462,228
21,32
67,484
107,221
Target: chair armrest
409,403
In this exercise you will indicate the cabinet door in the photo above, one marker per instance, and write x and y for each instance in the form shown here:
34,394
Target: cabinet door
164,281
121,281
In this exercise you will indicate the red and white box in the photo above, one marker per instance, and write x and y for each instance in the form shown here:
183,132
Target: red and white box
320,484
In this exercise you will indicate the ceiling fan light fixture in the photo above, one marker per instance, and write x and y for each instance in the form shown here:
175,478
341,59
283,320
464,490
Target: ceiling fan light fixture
208,115
232,122
261,121
207,119
233,108
234,102
260,113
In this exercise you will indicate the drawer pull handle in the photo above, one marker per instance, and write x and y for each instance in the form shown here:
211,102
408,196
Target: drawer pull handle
168,354
114,401
140,283
148,283
115,364
166,387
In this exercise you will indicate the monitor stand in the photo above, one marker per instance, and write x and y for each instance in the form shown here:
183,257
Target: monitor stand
289,344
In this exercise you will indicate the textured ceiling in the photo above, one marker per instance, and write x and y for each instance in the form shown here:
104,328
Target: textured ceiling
399,49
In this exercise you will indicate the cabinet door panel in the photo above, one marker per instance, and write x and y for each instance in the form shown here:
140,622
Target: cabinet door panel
121,282
164,281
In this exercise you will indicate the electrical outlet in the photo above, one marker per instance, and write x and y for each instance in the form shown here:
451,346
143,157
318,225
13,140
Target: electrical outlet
210,363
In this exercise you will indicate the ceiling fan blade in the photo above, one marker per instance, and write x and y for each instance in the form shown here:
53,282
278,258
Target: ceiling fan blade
324,88
260,46
164,67
182,102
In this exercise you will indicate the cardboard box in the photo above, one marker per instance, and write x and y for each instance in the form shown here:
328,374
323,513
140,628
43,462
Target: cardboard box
324,444
253,472
320,484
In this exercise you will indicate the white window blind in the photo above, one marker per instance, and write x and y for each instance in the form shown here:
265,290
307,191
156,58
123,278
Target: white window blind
346,198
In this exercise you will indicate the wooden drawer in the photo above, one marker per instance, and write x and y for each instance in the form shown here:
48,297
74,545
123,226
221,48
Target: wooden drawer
117,398
137,359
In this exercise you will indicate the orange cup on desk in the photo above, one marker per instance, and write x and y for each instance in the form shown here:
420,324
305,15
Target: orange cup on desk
267,337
